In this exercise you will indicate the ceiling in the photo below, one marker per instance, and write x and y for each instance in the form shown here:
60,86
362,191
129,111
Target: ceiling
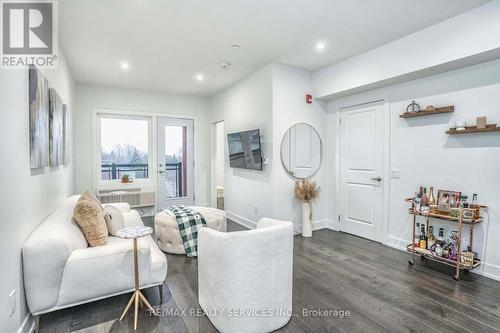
167,43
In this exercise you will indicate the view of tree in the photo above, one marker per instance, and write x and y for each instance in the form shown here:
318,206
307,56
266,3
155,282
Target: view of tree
124,154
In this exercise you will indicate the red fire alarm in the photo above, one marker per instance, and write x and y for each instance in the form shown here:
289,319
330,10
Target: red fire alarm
309,99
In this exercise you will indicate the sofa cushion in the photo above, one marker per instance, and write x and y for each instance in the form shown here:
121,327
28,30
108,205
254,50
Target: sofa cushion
114,219
89,216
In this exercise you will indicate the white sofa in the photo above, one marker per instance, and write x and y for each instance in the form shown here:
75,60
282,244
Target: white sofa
245,277
60,270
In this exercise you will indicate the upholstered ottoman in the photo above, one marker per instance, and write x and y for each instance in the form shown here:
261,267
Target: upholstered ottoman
167,233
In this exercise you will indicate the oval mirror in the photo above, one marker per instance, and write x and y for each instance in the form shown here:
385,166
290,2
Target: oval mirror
301,151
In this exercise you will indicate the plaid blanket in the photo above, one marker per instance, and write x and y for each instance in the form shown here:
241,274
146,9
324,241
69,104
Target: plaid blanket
189,222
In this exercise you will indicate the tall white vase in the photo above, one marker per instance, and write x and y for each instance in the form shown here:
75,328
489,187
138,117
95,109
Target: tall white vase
306,220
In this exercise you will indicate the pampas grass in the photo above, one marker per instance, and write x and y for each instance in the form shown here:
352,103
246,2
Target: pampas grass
306,190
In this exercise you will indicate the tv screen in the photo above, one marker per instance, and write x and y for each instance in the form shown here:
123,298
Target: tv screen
245,150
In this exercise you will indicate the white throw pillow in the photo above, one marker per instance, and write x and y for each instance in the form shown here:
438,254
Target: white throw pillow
114,219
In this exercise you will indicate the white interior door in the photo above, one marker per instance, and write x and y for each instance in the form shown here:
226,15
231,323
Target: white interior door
175,162
361,165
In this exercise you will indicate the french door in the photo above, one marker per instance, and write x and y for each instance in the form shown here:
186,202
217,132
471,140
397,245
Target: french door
361,166
175,162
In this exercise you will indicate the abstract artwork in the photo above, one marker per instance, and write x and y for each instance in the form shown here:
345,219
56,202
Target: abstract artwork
39,119
65,135
56,121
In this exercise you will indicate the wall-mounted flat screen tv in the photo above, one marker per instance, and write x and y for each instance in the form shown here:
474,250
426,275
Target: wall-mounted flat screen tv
245,150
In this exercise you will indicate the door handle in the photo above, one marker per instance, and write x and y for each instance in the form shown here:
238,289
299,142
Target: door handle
379,179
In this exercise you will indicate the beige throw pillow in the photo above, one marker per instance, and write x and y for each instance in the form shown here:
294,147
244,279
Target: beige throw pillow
88,214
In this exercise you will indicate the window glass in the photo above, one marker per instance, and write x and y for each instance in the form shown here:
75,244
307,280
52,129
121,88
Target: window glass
124,148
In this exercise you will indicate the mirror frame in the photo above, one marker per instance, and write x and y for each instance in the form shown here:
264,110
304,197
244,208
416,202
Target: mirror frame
320,152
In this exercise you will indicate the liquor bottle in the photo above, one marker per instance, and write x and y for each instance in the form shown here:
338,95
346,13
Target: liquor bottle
461,201
431,239
425,200
423,238
431,199
416,240
475,206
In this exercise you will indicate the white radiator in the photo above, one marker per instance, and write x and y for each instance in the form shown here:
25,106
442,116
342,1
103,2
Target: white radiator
134,197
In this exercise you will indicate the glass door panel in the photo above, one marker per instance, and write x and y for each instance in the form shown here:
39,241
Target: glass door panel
175,162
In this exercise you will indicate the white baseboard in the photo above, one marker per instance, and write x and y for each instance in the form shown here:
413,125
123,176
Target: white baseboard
491,271
318,225
28,325
397,243
241,220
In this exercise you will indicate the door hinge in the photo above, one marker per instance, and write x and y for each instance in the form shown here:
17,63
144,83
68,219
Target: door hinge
339,218
193,164
340,121
194,198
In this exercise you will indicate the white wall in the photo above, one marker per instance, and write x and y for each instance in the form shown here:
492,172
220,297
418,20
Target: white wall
90,97
272,99
243,106
289,107
219,154
27,196
466,39
427,156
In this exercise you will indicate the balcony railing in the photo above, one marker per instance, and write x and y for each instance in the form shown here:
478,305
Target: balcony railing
116,171
173,179
173,175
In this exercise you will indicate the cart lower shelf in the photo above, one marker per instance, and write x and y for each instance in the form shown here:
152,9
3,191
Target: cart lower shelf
428,255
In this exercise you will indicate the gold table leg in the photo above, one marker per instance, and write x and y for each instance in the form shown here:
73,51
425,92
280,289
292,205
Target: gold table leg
137,296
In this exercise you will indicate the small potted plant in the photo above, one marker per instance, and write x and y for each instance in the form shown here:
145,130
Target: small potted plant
306,191
126,179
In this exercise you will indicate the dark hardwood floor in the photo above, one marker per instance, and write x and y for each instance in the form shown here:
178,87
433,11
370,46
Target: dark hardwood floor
332,271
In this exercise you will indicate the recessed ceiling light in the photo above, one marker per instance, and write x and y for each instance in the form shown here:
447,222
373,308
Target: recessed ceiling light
125,65
235,46
320,46
200,77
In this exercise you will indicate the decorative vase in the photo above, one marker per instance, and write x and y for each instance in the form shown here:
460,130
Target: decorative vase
306,220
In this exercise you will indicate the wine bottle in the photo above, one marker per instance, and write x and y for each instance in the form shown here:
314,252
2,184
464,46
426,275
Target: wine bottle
431,199
423,238
425,200
475,206
416,240
440,238
431,239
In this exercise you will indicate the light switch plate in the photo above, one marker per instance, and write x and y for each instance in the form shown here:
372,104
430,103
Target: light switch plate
395,173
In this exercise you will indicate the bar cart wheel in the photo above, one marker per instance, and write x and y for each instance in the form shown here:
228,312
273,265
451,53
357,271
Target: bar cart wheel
466,271
422,257
410,262
456,277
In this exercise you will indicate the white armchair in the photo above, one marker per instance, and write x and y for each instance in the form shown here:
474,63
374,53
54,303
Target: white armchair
245,277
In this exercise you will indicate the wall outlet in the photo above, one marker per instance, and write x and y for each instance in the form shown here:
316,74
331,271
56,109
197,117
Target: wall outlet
395,173
12,302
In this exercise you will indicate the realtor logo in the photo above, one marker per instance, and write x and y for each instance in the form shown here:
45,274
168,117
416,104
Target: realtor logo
29,33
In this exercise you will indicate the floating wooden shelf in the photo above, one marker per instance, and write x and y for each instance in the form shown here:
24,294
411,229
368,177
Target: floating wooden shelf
474,129
422,113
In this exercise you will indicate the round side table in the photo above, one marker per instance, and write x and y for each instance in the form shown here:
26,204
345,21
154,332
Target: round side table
134,233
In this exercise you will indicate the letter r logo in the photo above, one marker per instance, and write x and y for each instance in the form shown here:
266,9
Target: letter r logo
27,28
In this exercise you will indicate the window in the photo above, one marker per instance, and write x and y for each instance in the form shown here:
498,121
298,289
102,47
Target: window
124,147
